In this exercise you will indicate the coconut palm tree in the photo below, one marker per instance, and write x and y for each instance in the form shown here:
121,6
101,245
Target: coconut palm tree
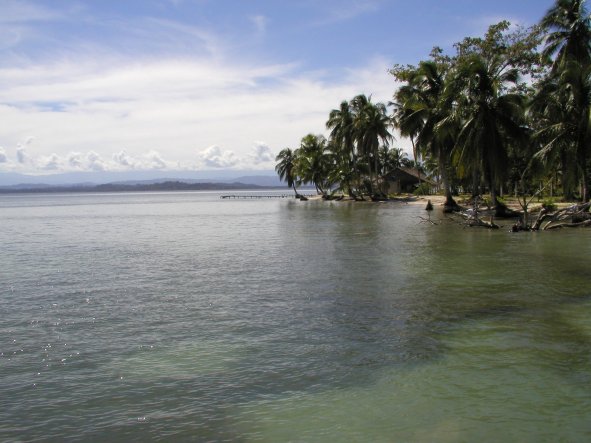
422,110
568,28
564,96
490,117
315,162
407,120
566,107
340,124
286,168
370,125
392,158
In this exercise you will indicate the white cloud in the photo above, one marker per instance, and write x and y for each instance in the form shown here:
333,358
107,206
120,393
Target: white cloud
214,157
123,159
155,161
3,156
261,153
97,106
22,156
51,163
74,160
95,162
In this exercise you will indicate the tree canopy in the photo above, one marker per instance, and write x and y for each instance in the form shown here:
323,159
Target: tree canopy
502,112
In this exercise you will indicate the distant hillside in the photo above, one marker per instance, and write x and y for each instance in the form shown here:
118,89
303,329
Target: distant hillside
254,177
137,187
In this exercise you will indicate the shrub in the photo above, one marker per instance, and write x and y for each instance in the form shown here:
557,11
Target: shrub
549,204
422,189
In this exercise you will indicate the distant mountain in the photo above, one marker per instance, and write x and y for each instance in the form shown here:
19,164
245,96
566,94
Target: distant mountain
128,187
259,178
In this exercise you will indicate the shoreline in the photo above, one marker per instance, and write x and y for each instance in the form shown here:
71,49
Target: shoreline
439,200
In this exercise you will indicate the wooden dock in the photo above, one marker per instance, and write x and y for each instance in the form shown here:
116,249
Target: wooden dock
252,196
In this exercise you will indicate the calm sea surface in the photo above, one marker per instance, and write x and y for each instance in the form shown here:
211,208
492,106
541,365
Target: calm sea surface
181,316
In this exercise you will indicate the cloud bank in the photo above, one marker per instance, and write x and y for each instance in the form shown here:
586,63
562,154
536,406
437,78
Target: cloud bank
138,115
186,99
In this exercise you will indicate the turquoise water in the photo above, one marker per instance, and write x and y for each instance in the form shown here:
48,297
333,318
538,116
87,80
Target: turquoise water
181,316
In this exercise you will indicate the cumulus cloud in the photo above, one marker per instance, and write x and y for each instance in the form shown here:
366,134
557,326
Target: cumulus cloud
215,157
155,161
22,156
51,163
95,162
123,159
85,110
74,160
261,153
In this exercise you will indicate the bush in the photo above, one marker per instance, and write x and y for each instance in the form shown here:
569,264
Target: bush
549,204
422,189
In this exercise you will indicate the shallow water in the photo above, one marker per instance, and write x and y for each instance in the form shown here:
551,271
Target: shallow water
183,316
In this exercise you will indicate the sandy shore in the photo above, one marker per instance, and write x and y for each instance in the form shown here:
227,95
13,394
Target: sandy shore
409,199
435,200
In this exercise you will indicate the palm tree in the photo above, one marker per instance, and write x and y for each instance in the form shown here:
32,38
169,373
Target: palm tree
566,105
406,120
422,110
340,123
569,38
490,118
286,168
569,33
315,162
549,119
370,125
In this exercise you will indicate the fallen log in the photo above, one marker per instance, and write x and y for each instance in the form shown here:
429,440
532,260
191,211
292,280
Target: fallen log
577,215
472,219
569,225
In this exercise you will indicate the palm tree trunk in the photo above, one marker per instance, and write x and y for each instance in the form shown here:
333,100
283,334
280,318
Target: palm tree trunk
475,183
450,204
585,170
585,186
377,175
416,158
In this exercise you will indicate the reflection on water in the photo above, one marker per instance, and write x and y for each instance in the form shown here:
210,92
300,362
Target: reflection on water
186,316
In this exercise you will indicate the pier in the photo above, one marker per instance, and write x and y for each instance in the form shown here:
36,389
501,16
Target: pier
251,196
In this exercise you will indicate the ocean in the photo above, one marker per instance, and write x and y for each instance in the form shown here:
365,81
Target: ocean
187,317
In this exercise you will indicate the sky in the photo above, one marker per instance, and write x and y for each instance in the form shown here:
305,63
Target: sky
201,85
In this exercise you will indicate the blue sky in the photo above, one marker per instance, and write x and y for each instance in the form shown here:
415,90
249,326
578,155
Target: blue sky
117,85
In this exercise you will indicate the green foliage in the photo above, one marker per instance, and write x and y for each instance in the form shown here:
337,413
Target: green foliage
492,114
549,204
423,189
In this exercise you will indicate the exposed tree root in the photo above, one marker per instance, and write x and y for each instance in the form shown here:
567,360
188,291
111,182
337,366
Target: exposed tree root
571,217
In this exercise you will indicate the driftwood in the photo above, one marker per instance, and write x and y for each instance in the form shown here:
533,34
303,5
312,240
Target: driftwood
428,220
472,219
571,217
569,225
472,216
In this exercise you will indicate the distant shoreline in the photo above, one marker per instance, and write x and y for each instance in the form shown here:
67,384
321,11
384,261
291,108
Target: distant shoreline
114,187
